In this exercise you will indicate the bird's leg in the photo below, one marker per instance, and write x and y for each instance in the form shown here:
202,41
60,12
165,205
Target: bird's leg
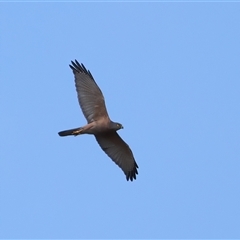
77,132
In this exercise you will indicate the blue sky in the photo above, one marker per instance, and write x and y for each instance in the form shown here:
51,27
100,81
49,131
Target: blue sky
169,73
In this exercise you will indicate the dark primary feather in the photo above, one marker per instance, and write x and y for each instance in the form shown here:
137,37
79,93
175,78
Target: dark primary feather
90,96
77,67
114,146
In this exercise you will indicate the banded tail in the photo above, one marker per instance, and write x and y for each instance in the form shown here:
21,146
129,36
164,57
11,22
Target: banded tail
74,132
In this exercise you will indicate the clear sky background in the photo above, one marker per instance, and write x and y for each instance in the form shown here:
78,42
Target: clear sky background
170,73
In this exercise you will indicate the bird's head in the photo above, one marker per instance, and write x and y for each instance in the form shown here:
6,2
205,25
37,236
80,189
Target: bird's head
116,126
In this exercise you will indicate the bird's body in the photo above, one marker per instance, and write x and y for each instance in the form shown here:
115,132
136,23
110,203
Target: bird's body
96,127
99,124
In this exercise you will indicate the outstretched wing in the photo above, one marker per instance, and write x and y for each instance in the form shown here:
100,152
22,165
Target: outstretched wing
113,145
90,96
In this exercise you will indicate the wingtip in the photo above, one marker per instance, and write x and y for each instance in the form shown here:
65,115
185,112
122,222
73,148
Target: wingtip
132,175
79,68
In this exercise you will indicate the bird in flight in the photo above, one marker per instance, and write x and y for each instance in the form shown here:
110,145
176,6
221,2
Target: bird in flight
99,124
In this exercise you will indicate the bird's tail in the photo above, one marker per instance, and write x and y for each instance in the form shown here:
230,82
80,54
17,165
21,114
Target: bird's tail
74,132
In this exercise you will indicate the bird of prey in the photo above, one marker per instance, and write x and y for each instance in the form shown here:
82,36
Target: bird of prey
99,124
